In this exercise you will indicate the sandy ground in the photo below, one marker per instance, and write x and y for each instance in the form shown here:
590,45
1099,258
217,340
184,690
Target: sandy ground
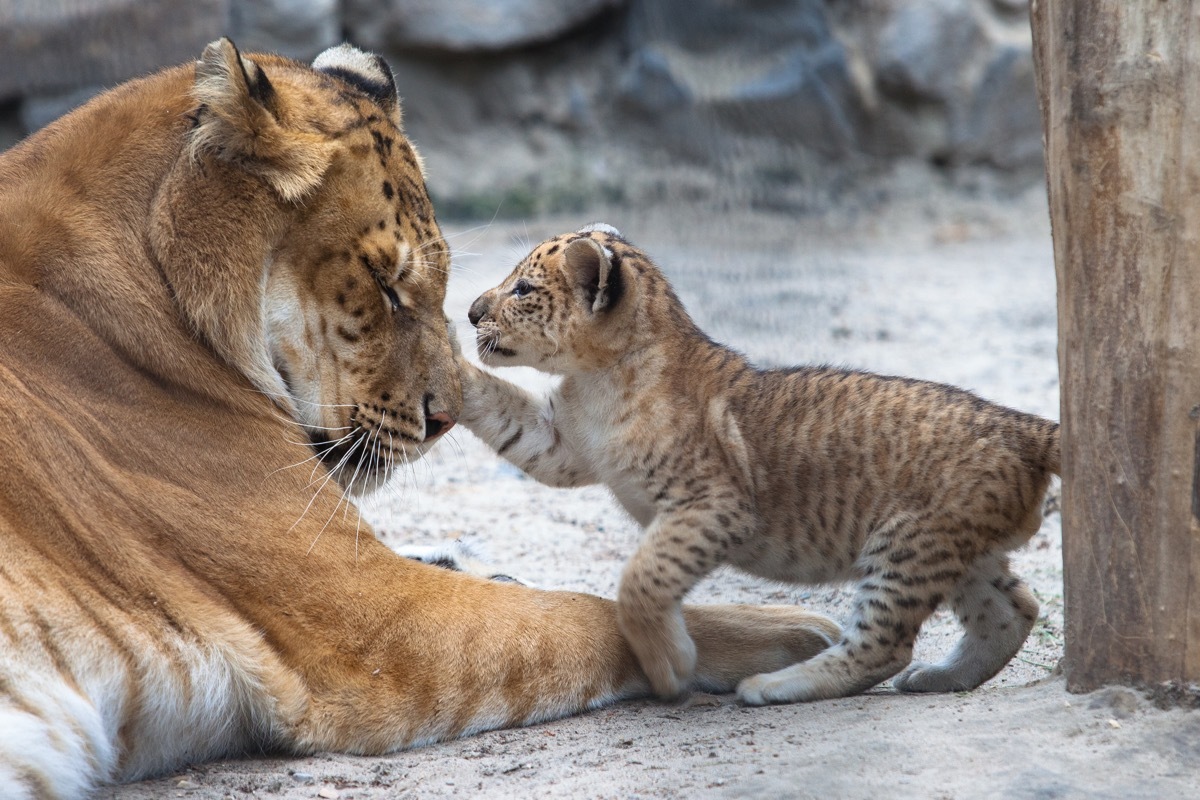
950,290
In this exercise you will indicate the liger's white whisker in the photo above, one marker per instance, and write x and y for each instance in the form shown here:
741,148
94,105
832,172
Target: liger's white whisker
332,472
299,399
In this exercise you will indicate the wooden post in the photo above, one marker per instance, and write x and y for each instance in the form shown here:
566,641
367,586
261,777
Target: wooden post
1119,84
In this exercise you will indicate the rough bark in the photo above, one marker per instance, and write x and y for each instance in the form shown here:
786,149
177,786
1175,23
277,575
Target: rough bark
1119,85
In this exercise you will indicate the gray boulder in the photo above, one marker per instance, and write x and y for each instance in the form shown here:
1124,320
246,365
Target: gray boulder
40,110
298,29
927,50
808,98
648,86
465,25
1003,124
769,68
59,45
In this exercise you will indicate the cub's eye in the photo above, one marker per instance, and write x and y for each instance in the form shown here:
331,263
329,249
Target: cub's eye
522,288
390,294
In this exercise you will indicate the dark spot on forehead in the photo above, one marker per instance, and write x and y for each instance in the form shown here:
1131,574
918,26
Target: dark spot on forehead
383,143
553,249
388,191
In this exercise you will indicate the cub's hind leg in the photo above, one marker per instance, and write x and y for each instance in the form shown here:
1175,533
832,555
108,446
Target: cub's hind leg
997,612
907,572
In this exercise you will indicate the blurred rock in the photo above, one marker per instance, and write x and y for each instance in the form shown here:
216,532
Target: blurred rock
926,50
465,25
706,26
297,29
648,87
40,110
765,68
807,98
56,45
1012,6
1003,126
518,102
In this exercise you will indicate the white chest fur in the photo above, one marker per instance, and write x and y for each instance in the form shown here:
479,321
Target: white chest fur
592,415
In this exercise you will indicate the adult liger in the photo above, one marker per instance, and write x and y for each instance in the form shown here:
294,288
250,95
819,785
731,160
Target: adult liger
214,281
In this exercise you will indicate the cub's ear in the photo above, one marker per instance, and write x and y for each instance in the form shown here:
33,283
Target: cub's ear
598,270
239,121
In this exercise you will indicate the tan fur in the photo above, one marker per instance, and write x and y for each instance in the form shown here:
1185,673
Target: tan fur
914,490
220,287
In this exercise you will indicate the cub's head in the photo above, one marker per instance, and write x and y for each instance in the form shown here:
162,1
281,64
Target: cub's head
568,306
299,241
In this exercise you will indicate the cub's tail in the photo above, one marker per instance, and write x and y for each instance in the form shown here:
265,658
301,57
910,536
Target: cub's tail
1052,460
1053,448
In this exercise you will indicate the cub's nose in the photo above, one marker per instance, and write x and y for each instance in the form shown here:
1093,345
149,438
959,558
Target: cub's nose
478,310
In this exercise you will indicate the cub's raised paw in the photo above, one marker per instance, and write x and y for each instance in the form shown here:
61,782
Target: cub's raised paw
457,556
452,334
663,648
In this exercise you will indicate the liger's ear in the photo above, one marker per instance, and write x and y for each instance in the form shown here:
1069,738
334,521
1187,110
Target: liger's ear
239,121
367,72
598,270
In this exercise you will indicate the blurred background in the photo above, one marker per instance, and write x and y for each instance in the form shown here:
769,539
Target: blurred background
529,107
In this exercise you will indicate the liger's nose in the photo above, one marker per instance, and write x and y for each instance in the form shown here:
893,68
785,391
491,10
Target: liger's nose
478,309
437,424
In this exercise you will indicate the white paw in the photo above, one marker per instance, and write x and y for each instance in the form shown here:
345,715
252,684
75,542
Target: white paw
794,684
753,690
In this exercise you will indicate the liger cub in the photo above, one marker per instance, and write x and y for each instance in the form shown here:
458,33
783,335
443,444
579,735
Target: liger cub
914,490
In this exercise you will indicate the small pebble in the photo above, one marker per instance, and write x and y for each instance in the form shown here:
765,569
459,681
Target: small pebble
303,777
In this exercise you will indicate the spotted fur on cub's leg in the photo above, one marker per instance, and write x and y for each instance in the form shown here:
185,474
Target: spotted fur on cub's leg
914,491
997,611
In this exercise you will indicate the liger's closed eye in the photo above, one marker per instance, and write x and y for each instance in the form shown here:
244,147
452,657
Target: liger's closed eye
522,288
390,295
